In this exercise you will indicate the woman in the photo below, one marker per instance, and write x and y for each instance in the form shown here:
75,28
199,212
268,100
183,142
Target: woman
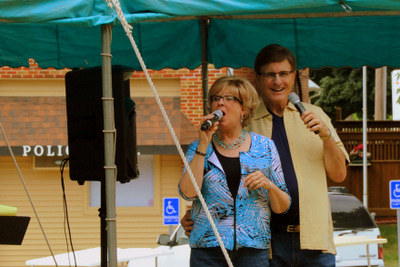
240,177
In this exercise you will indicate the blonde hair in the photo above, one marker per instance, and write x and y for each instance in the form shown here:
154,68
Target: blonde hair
240,88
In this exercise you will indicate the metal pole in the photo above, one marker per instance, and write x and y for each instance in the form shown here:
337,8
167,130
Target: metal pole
109,144
398,234
204,62
384,91
365,176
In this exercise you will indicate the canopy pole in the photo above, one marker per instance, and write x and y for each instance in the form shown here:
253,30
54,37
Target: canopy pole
109,144
380,93
204,62
364,110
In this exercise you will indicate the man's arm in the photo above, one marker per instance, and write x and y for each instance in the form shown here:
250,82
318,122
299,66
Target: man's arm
335,161
334,158
187,223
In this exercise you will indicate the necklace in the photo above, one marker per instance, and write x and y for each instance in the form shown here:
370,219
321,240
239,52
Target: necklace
228,146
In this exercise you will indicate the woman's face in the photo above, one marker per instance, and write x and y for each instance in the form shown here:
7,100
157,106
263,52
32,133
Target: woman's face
230,105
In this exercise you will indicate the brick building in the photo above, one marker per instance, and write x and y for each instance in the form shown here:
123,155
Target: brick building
33,116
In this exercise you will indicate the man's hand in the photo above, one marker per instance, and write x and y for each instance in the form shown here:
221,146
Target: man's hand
187,223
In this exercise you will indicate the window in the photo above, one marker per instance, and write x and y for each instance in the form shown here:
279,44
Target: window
136,193
349,213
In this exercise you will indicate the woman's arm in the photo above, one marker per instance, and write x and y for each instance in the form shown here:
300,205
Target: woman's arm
279,199
197,167
197,163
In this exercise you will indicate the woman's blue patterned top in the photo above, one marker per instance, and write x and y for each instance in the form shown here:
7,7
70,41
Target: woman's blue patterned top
248,216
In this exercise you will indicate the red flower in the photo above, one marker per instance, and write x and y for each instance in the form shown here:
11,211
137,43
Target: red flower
359,147
358,153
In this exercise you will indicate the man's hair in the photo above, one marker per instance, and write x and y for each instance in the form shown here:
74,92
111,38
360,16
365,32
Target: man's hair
274,53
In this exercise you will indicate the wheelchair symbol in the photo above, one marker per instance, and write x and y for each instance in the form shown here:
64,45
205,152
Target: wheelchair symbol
170,209
396,191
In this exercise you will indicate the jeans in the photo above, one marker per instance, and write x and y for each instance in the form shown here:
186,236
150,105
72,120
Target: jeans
286,252
213,257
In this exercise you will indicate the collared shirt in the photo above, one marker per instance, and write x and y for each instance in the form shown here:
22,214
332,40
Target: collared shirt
245,219
306,148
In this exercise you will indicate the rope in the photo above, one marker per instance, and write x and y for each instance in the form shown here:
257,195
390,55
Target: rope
128,31
27,193
345,6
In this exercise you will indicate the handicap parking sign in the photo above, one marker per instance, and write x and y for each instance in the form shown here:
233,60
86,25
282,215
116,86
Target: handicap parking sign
394,190
171,211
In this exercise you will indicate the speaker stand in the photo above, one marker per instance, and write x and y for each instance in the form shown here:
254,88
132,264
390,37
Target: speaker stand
103,225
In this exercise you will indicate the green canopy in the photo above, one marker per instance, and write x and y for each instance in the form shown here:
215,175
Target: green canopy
59,33
68,33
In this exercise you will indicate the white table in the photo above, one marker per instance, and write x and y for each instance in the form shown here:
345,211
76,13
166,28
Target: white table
129,254
358,240
91,257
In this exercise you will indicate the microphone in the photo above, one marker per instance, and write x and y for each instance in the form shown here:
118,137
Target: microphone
218,114
294,99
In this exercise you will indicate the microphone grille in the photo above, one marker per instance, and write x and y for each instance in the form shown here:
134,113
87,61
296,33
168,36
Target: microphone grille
219,114
293,97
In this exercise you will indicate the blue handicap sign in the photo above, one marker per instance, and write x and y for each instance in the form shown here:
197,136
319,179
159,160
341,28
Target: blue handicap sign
394,190
171,211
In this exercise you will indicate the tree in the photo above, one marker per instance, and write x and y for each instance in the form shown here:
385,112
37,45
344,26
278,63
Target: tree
343,88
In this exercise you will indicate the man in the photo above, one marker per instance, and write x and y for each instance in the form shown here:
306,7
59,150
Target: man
310,150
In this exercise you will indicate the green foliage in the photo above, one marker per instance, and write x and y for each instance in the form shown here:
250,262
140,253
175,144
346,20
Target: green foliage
344,88
390,249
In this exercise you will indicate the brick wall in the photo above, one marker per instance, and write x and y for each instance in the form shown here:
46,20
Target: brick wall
191,87
190,80
32,72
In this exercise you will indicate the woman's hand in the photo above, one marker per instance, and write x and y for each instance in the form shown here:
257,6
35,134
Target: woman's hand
279,200
256,180
187,223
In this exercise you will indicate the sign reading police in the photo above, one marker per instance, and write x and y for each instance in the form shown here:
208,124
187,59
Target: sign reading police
171,211
394,190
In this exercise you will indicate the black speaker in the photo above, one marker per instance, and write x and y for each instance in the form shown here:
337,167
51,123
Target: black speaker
84,103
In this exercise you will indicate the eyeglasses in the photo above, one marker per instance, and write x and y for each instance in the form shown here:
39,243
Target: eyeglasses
272,75
226,98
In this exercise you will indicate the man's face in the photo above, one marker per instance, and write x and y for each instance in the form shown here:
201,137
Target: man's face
276,81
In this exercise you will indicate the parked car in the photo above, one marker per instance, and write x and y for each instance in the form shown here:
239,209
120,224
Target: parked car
350,218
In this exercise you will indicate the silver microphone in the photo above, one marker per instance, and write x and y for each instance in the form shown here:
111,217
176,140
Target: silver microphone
218,114
294,99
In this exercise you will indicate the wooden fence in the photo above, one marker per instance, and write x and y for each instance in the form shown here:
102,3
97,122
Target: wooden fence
383,142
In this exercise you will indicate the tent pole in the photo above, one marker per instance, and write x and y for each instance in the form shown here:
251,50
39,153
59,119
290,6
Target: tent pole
384,91
204,62
364,110
380,93
109,144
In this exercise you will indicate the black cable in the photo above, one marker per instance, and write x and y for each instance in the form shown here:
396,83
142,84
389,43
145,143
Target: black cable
65,206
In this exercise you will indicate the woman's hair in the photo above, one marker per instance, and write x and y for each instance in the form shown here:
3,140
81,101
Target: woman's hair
273,53
240,88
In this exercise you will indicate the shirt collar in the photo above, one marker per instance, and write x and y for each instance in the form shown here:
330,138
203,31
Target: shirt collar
262,110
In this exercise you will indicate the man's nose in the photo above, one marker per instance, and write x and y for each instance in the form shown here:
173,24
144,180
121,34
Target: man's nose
277,78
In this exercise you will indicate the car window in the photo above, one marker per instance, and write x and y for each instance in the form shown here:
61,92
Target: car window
349,213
